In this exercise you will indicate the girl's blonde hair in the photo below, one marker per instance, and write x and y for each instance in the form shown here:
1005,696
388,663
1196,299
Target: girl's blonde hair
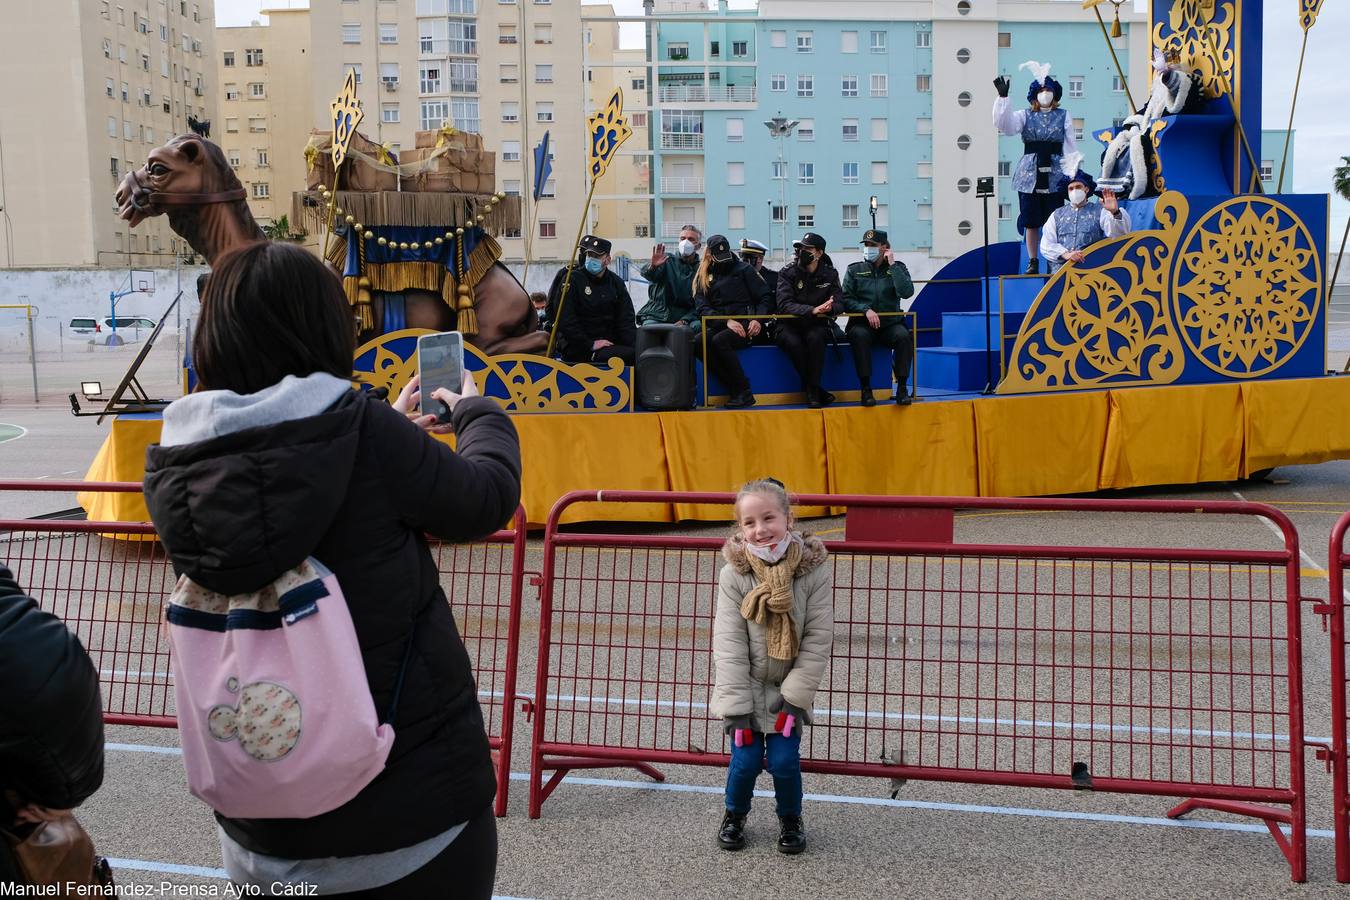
703,276
771,487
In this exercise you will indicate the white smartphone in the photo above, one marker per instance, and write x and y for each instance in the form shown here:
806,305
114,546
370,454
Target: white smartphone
440,364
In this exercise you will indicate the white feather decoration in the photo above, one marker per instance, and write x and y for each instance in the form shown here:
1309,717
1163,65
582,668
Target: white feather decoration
1040,70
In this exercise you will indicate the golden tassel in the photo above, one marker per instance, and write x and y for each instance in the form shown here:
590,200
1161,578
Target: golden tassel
1115,26
403,276
468,319
337,253
365,312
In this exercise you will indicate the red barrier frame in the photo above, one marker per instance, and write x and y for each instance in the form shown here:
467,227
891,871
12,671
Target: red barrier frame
149,699
1338,560
559,757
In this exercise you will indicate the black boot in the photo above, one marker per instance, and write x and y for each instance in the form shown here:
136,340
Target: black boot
741,400
813,398
867,398
902,395
731,836
792,837
1033,266
826,398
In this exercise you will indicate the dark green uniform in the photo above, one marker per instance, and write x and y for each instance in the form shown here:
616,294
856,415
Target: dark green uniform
670,293
880,288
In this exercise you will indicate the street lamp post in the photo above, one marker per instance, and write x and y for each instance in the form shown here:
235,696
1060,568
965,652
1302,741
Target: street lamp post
780,128
872,206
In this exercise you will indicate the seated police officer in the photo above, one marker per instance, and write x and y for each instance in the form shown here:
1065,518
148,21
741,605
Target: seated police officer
875,285
595,319
752,254
726,286
808,289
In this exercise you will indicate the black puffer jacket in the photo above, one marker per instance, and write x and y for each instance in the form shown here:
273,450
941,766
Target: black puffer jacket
51,715
737,291
800,291
595,309
356,487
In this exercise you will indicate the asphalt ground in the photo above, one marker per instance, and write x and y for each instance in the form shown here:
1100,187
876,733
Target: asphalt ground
615,833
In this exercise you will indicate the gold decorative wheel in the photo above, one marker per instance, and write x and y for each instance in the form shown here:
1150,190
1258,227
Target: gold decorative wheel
1247,287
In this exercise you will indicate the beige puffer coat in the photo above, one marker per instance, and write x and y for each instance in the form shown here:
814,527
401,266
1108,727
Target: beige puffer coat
747,681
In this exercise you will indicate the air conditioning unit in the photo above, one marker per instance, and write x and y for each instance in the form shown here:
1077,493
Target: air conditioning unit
390,84
197,90
197,47
506,39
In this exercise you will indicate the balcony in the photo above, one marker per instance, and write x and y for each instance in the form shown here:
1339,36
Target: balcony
671,230
701,93
671,140
676,184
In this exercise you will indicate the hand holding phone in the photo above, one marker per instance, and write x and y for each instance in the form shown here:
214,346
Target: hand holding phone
440,369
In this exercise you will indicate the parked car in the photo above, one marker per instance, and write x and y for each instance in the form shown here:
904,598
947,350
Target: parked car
85,325
129,322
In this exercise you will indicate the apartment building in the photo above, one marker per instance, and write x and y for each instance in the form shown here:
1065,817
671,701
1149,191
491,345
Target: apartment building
264,98
87,90
508,69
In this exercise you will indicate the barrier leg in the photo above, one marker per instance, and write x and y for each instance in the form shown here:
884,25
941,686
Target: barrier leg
1294,850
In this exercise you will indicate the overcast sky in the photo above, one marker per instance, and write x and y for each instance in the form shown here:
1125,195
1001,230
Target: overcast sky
1323,128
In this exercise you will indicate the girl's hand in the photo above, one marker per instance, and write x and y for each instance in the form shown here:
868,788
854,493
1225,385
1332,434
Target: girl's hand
410,396
429,423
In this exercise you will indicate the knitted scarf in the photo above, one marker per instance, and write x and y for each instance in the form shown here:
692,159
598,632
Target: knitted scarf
769,602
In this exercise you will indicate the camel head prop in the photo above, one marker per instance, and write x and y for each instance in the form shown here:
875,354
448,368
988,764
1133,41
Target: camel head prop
190,180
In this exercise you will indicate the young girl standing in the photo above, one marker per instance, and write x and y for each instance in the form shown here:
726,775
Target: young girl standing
771,644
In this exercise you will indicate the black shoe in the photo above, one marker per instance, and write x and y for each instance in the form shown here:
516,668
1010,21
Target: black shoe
903,396
867,398
813,400
792,837
741,400
1033,267
826,398
731,836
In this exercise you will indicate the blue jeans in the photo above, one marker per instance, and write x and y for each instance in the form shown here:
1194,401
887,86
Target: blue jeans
782,757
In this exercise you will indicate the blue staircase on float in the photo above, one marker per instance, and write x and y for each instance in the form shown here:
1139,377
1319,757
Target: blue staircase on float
957,364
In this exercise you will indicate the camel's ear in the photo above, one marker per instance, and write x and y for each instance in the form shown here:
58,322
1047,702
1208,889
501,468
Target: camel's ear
192,150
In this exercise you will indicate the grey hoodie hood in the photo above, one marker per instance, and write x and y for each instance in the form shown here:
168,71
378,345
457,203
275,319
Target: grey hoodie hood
208,414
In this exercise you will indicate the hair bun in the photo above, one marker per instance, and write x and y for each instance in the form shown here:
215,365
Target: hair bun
771,480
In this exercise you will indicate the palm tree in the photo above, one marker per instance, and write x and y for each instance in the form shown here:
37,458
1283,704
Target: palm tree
1340,183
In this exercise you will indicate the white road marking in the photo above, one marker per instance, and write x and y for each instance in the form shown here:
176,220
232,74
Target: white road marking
1312,563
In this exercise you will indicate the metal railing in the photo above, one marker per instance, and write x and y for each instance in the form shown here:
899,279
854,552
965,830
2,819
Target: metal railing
681,140
698,93
678,184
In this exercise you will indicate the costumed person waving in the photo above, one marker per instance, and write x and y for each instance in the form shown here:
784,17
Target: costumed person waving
1080,223
1130,161
772,638
1051,154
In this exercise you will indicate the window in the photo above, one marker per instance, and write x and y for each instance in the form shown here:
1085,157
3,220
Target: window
262,159
261,190
963,98
678,50
231,126
104,10
923,169
735,217
923,125
388,33
1075,86
639,84
389,75
778,82
128,131
1005,210
107,49
881,129
1004,168
923,84
435,112
806,42
164,37
849,216
740,48
638,120
806,131
511,187
543,34
429,78
112,127
351,34
355,67
879,173
1267,169
963,227
779,168
511,151
878,42
923,212
850,130
108,87
506,34
848,86
126,93
231,92
880,85
735,130
465,112
1078,126
736,173
145,98
806,173
550,188
543,112
121,15
233,157
778,214
1005,39
1117,85
777,38
850,174
963,7
463,76
122,52
923,39
963,185
255,57
963,56
806,85
806,216
145,62
168,108
164,66
256,90
963,142
543,74
257,124
547,227
510,111
848,42
389,113
463,36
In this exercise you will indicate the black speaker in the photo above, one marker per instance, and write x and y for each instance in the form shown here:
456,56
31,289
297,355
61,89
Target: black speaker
663,375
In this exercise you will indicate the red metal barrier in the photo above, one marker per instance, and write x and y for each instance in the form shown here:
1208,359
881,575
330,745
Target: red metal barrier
1141,670
109,582
1338,560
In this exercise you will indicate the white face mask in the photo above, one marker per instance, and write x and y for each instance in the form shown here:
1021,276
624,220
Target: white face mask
1077,196
1045,98
687,247
772,553
871,253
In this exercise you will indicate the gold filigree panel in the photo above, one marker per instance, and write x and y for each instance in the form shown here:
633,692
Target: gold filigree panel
1192,26
1247,287
533,383
1110,321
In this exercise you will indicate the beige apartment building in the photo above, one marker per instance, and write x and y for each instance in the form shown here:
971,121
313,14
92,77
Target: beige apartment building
265,103
87,89
508,69
622,204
